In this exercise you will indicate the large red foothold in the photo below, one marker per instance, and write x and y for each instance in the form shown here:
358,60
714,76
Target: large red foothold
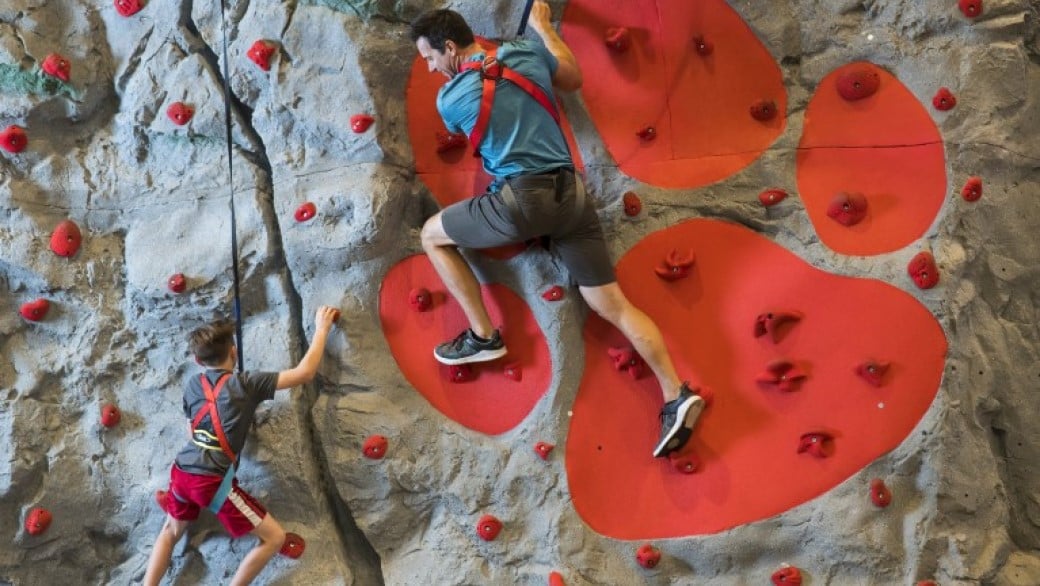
782,375
972,190
848,209
556,579
66,238
128,7
776,324
633,205
293,546
361,122
449,141
180,113
923,270
787,576
858,82
816,443
57,66
488,527
879,493
647,133
703,47
35,310
110,415
684,463
763,110
420,299
618,39
513,371
676,265
374,447
970,8
37,521
944,99
629,360
305,212
543,449
648,556
927,583
873,372
461,373
771,197
177,283
261,53
13,139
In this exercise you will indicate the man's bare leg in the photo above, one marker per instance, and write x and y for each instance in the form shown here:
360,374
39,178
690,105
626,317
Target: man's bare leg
457,275
272,536
171,532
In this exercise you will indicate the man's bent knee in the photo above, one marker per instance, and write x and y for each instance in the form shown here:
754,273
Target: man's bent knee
433,234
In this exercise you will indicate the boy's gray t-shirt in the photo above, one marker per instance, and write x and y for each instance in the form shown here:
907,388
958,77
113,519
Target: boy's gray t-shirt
236,404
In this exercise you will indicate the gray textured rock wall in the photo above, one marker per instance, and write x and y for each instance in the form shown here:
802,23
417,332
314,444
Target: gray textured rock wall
152,200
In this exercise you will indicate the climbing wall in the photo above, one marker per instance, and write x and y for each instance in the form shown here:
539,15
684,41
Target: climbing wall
826,206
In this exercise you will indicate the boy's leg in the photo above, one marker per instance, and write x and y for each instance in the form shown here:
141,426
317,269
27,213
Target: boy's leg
271,536
159,561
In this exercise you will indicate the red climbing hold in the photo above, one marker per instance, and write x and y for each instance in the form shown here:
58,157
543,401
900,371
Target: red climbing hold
647,133
554,293
293,546
556,579
177,283
879,493
449,141
374,447
782,375
923,271
13,139
676,266
648,556
461,373
944,100
972,190
618,39
927,583
704,48
110,415
420,299
488,527
180,113
58,66
633,205
873,372
848,209
816,443
513,371
859,81
771,197
683,462
776,324
543,449
629,360
763,110
128,7
305,212
970,8
261,53
37,521
705,393
35,310
66,238
360,122
787,576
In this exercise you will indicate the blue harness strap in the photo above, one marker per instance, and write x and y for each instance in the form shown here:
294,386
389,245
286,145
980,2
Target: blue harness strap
222,493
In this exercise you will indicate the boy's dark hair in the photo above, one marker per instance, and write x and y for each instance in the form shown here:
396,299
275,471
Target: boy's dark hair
442,25
211,343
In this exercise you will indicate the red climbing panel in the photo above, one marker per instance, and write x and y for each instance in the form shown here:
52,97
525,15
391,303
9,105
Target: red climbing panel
491,403
746,443
884,146
698,104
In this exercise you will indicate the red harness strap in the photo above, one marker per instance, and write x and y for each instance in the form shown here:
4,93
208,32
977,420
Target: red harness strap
491,71
210,408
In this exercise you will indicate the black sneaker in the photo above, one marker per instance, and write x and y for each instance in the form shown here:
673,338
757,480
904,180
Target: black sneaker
677,420
466,348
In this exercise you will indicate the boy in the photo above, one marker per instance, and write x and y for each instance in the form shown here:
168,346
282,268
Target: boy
220,405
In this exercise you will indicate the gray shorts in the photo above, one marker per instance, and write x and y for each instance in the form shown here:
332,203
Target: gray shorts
532,206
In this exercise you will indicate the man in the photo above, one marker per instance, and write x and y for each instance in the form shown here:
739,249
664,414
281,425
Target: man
536,193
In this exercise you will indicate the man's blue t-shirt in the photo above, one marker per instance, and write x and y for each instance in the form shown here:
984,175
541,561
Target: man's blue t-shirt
521,138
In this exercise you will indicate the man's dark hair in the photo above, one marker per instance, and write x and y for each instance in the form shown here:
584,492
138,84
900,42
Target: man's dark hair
211,343
442,25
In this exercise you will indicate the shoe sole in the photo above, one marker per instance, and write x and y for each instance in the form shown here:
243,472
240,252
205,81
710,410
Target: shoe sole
482,356
681,417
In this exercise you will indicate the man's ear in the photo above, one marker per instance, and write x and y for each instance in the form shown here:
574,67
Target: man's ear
450,48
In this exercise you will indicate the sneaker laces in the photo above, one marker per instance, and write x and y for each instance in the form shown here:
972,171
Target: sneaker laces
459,341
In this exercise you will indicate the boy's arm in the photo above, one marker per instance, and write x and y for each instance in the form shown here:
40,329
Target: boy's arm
304,372
568,73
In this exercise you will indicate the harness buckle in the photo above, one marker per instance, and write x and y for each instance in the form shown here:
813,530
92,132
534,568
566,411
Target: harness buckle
491,69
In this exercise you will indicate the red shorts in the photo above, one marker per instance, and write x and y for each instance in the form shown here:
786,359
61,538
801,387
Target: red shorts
188,493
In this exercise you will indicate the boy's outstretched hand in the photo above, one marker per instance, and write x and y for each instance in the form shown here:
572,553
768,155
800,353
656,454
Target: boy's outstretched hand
325,316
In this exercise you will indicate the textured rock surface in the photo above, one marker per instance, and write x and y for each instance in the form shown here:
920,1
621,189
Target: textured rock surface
152,199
